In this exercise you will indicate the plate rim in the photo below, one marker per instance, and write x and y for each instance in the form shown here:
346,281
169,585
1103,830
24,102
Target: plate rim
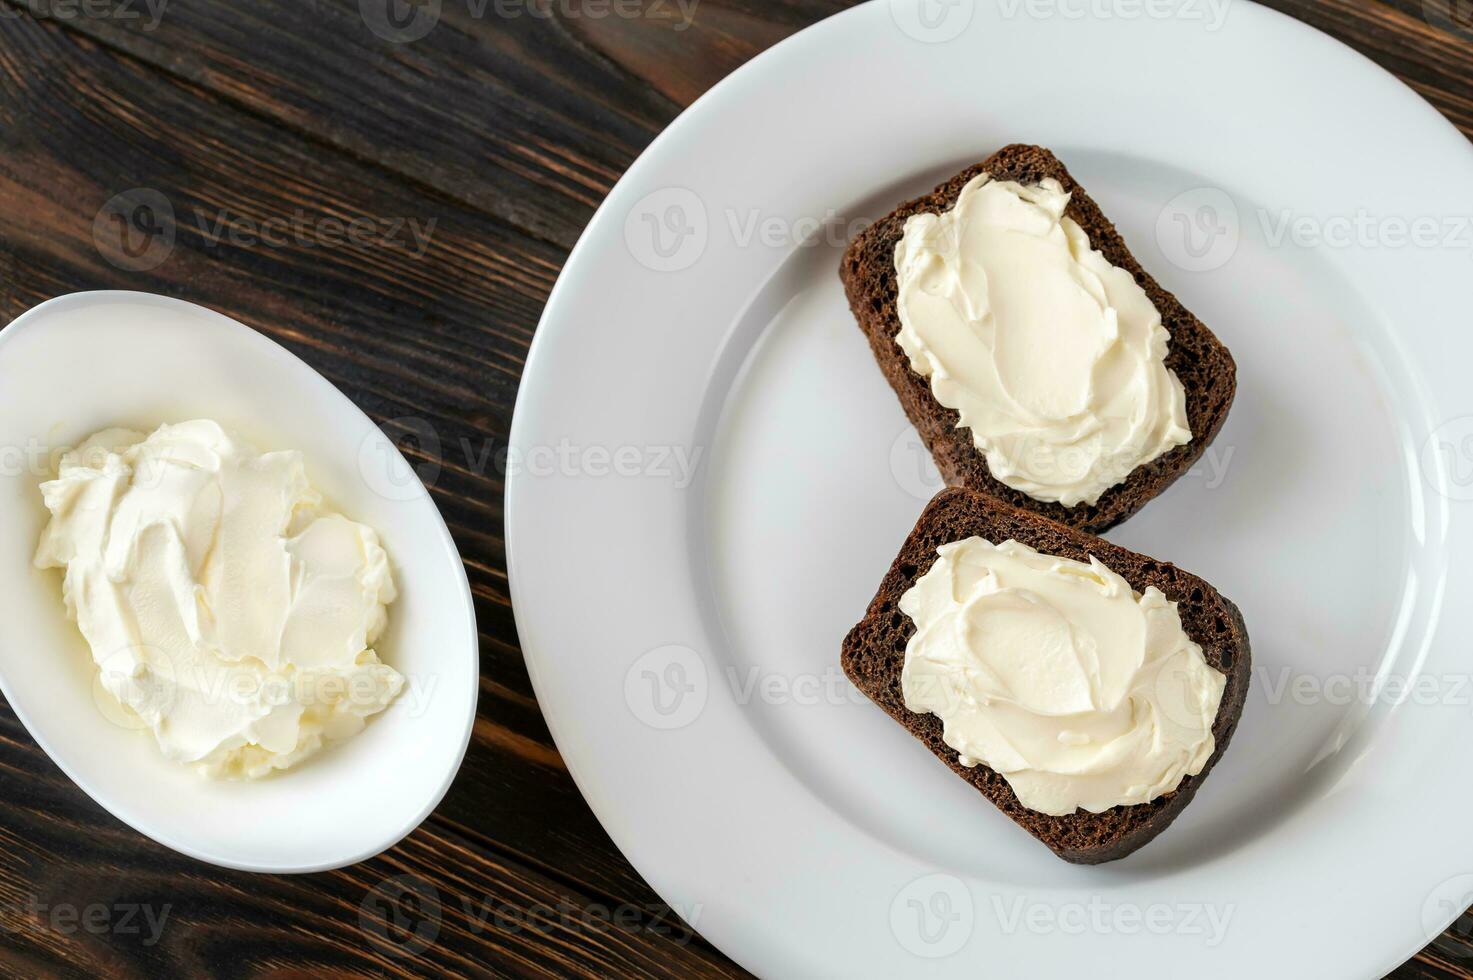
580,761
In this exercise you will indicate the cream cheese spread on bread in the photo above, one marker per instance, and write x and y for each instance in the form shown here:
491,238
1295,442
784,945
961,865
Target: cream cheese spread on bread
1053,358
227,610
1080,692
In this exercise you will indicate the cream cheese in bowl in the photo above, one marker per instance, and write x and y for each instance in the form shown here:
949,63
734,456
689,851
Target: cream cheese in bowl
226,608
77,365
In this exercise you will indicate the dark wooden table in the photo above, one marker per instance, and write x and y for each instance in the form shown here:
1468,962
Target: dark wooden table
264,126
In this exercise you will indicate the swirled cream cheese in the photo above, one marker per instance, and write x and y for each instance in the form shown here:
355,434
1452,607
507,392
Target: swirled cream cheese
1080,692
227,610
1053,357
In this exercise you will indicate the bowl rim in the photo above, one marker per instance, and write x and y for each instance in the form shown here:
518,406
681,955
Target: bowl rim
83,299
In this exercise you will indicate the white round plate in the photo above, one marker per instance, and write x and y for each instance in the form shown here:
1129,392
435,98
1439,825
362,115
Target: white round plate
89,361
711,477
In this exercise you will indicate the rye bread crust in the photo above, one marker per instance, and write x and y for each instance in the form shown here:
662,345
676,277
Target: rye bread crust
874,653
1198,358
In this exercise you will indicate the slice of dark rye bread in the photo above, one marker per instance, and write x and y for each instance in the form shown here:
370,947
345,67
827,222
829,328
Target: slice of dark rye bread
874,653
1203,364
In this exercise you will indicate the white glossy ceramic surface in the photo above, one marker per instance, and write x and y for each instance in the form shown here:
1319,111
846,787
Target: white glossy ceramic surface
88,361
684,639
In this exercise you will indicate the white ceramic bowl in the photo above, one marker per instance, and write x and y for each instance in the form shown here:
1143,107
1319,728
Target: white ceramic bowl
87,361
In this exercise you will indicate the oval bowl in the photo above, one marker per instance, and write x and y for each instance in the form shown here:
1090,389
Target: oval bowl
87,361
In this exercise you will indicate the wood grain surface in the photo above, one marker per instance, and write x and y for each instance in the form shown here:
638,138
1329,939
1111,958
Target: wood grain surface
495,136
